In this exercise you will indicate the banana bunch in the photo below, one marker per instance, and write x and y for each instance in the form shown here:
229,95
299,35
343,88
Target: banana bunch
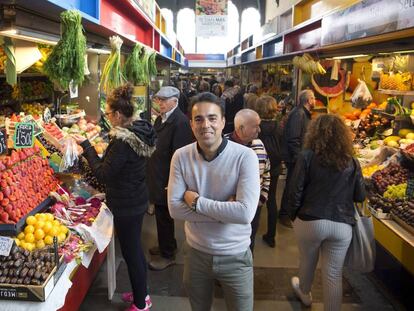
45,50
3,59
400,110
308,65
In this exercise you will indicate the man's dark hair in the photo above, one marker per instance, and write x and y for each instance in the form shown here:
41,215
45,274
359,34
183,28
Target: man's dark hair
207,97
229,83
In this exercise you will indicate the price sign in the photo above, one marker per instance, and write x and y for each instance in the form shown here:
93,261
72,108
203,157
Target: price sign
47,115
23,135
3,141
36,128
5,245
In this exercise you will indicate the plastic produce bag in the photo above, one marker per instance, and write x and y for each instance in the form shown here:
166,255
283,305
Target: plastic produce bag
361,97
70,154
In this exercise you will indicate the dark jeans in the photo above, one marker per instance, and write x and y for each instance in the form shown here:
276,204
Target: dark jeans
165,231
272,208
128,229
284,204
255,226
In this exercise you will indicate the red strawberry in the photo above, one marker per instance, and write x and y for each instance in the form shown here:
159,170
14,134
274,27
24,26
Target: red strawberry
4,217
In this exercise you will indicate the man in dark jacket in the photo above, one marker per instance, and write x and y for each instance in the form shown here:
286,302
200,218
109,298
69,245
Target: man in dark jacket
173,132
293,136
233,102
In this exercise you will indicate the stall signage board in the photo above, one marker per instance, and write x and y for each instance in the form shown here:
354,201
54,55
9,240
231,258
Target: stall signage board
211,18
367,18
148,6
23,135
3,141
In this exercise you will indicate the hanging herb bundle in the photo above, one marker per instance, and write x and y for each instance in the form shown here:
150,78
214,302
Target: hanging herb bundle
112,75
67,60
133,68
149,64
152,65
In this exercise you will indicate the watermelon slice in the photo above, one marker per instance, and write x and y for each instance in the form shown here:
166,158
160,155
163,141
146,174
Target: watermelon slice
331,88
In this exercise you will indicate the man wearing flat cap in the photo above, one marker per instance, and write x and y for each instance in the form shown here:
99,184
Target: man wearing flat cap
173,132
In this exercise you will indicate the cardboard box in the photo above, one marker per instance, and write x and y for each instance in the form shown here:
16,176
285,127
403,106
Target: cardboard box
32,292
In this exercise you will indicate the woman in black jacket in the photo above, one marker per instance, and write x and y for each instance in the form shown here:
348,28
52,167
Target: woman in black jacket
122,170
325,184
271,135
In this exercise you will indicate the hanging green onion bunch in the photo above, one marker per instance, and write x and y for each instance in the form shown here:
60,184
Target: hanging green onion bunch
112,75
149,64
133,68
67,60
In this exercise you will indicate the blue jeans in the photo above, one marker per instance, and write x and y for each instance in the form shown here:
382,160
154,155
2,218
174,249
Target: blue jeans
234,272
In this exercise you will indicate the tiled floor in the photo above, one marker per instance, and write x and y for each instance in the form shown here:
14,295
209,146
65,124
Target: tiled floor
274,266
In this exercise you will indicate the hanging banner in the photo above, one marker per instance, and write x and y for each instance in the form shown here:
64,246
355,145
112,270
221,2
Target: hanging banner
211,18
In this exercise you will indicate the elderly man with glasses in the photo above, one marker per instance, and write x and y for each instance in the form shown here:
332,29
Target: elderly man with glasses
173,132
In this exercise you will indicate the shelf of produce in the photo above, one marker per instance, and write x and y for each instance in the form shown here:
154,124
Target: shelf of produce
395,92
396,240
14,229
30,98
27,75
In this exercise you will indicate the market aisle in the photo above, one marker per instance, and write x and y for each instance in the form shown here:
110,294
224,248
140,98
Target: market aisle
273,269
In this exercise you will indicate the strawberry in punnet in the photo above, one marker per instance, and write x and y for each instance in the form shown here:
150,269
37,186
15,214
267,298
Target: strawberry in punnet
14,157
4,217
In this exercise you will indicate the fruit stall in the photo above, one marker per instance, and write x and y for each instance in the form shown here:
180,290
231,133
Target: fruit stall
374,94
55,228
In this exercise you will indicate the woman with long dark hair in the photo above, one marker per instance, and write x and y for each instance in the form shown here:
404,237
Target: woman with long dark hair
271,136
326,182
122,170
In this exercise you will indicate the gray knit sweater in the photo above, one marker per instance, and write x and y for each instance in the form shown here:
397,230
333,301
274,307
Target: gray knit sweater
219,226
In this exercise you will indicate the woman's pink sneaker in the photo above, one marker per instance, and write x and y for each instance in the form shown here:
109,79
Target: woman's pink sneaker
133,307
129,297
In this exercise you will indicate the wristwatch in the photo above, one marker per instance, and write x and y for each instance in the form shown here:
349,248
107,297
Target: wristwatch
194,204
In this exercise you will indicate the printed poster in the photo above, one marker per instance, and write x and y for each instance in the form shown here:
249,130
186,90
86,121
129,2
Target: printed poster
211,18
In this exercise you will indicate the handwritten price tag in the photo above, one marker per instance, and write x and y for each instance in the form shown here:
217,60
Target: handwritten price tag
5,245
23,135
3,141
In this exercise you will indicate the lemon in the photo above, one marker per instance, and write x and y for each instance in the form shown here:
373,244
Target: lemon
20,236
40,244
31,220
54,231
48,225
48,240
40,216
40,224
23,244
17,241
39,234
29,238
63,229
61,237
49,217
29,229
56,223
30,246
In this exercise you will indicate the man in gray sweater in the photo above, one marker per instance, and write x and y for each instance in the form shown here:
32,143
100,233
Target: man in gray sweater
214,186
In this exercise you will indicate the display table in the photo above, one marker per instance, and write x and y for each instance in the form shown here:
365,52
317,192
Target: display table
81,281
396,240
77,276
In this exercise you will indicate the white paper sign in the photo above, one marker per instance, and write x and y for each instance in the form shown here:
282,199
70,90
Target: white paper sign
73,90
5,245
211,25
